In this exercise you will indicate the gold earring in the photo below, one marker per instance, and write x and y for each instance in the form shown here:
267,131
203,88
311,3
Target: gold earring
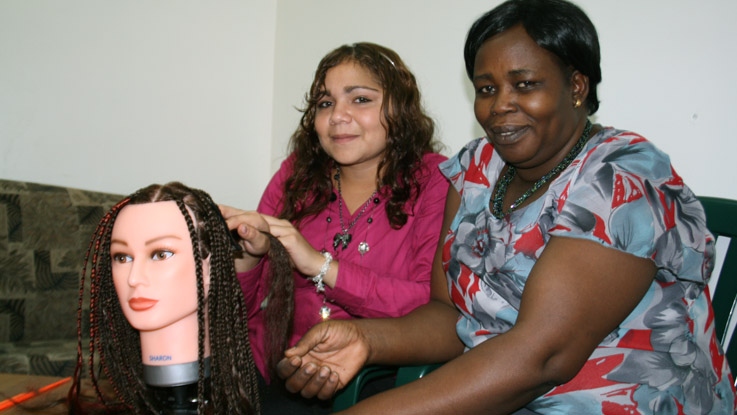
577,104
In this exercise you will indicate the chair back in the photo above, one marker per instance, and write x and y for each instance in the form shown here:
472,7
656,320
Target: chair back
721,219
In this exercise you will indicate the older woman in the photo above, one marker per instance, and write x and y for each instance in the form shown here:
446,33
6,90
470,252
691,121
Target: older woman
574,263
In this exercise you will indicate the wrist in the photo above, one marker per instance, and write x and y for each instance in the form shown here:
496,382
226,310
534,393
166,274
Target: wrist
318,278
363,333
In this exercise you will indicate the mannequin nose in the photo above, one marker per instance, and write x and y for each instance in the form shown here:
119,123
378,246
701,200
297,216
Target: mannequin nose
137,274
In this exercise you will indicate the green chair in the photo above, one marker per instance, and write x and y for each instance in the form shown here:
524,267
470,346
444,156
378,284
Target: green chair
407,374
349,395
404,374
721,219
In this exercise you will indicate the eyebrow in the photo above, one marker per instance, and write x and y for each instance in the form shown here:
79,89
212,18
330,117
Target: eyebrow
348,89
149,242
521,71
513,72
354,87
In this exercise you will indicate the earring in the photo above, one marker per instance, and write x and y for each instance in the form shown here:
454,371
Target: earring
577,104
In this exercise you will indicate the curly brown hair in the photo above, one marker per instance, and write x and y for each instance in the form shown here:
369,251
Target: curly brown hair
409,137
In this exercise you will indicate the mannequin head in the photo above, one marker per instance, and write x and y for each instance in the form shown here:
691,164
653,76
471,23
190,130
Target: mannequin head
162,256
153,266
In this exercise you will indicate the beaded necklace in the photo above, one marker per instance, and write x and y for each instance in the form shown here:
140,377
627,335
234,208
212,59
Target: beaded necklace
500,190
343,238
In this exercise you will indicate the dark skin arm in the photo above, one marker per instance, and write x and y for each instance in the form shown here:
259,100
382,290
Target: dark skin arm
577,293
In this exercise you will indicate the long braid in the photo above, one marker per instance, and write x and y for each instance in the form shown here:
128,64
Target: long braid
279,312
200,306
228,325
74,391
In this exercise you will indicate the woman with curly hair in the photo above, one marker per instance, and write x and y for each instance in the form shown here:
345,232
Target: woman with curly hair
358,204
166,314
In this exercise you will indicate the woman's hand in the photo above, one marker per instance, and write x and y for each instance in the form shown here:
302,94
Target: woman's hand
250,226
324,360
306,259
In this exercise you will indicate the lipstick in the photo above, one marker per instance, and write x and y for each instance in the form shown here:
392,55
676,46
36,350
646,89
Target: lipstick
141,303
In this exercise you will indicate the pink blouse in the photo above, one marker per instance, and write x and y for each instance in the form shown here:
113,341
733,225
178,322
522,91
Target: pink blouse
389,280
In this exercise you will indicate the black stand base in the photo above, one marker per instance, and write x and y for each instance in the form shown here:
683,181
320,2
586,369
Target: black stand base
178,400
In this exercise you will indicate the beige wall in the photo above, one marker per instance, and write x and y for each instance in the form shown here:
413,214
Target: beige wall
114,95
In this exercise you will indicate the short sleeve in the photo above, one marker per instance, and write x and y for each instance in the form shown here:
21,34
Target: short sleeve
470,162
624,194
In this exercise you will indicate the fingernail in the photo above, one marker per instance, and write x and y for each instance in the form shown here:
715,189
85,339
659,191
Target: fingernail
324,372
294,361
310,369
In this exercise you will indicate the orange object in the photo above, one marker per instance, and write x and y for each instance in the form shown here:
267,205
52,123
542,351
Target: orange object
21,397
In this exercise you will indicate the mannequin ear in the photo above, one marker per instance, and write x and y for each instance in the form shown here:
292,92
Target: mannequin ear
206,273
579,86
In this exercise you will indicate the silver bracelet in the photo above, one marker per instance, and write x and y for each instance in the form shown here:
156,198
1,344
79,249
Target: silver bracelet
317,279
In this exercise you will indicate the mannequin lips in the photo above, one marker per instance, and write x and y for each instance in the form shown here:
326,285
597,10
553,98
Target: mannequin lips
141,303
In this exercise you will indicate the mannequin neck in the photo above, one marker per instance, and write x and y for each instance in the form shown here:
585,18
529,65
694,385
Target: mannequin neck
174,344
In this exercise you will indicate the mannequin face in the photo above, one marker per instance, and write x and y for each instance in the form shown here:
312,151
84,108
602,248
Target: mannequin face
153,266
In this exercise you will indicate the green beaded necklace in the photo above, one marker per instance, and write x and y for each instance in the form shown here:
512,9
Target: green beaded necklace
501,185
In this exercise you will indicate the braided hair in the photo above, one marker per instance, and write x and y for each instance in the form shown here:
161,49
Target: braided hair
114,345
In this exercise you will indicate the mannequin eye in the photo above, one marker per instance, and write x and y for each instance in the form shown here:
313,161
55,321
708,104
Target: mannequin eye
122,258
162,255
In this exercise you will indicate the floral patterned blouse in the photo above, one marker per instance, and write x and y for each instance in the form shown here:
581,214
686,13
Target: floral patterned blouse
621,192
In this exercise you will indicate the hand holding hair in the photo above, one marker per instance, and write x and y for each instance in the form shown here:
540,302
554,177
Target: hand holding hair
306,259
252,231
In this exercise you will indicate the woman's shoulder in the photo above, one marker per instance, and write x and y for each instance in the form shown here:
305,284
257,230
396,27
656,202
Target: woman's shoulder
627,150
433,159
476,151
614,140
428,172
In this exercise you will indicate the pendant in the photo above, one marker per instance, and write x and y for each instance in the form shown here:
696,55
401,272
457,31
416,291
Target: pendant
324,312
363,247
342,239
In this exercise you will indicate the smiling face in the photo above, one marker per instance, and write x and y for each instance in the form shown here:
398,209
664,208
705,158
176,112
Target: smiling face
153,265
348,117
525,101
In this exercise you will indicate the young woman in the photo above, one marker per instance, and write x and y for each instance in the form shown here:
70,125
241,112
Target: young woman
358,204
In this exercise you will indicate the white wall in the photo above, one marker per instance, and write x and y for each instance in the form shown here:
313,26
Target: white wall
668,69
115,95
